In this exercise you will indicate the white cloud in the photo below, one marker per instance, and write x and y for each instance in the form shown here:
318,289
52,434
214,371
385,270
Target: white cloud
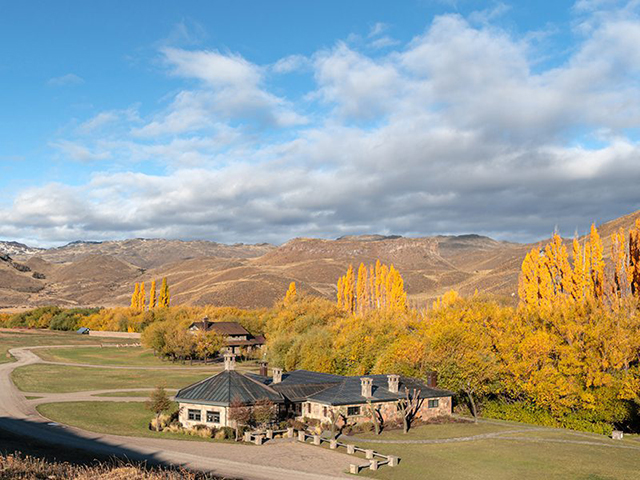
460,130
65,80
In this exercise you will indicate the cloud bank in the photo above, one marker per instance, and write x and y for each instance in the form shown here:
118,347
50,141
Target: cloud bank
466,128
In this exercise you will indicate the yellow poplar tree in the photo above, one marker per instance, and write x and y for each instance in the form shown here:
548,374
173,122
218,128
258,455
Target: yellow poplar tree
152,296
141,298
291,294
361,289
135,297
164,299
597,262
579,284
634,258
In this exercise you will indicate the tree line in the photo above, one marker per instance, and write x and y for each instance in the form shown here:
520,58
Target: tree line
138,299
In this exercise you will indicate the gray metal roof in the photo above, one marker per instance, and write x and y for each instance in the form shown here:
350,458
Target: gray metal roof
225,387
349,391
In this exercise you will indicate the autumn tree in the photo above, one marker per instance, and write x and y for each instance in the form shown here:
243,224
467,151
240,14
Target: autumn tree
141,298
158,403
135,298
264,411
239,415
375,287
164,299
207,344
634,258
152,296
291,294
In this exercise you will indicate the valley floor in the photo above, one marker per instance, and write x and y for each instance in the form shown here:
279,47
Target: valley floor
95,395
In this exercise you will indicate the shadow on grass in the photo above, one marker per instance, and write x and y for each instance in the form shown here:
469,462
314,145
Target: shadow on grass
55,443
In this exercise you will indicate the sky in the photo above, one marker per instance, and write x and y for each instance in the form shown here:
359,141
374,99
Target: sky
253,121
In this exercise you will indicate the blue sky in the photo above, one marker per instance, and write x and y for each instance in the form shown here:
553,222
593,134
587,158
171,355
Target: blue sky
261,121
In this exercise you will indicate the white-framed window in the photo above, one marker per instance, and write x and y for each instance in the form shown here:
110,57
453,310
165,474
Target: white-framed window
194,415
213,416
433,403
353,411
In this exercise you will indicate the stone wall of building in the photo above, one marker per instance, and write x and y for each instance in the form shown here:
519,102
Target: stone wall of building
184,415
389,410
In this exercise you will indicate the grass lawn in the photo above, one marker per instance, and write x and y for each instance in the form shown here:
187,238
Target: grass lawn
544,457
117,418
12,338
133,393
129,356
41,378
433,432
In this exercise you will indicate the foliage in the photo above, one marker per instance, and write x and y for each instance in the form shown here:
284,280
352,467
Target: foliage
239,414
264,411
164,299
159,402
374,287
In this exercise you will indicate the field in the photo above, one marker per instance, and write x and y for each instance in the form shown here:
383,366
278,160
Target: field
41,378
31,338
530,453
112,356
116,418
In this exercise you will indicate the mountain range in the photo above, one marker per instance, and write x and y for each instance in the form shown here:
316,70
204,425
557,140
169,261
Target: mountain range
249,276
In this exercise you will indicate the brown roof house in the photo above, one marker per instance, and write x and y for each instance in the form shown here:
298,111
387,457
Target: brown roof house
235,335
305,394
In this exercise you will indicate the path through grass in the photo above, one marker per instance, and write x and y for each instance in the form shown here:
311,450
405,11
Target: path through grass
537,455
13,338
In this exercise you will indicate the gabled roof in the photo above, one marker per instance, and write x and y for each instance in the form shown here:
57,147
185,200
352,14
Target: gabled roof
223,328
225,387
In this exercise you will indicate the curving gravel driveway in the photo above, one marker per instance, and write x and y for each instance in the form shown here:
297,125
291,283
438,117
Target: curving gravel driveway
282,460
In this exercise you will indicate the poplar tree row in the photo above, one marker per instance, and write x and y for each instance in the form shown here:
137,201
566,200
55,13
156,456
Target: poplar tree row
138,299
373,287
548,276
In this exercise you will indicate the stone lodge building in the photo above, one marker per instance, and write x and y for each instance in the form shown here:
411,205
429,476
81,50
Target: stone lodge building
235,335
304,394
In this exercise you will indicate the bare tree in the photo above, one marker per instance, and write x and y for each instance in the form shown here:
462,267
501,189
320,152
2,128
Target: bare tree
409,407
240,414
335,414
376,416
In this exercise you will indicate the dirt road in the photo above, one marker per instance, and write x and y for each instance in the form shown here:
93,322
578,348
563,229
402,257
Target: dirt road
275,460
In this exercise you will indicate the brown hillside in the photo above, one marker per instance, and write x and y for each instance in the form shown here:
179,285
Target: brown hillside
257,275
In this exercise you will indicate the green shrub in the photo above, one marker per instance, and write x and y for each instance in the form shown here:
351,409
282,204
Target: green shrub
527,413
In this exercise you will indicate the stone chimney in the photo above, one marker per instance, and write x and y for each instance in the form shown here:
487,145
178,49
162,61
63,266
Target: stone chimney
432,380
263,369
366,384
205,323
229,361
394,383
277,376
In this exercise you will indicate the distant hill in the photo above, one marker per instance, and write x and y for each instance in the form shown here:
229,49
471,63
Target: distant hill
202,272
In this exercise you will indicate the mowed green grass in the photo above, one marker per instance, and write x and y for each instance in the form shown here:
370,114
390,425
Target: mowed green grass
116,418
543,455
132,393
31,338
436,432
125,356
132,356
43,378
